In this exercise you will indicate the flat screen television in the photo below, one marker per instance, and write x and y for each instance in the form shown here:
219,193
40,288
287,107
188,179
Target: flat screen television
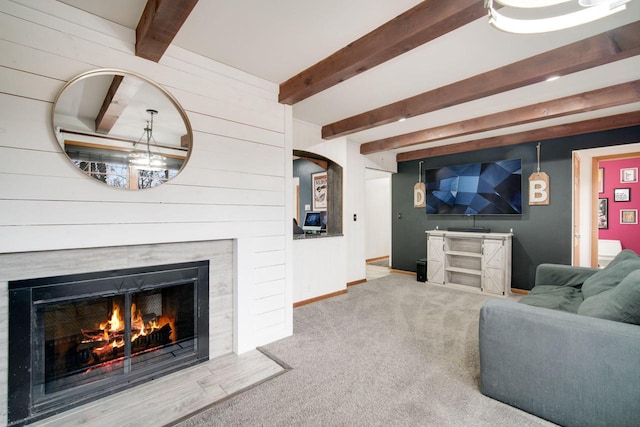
492,188
315,221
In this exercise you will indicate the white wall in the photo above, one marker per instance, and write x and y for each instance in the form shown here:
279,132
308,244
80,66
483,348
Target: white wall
328,251
378,207
319,267
237,184
355,230
347,154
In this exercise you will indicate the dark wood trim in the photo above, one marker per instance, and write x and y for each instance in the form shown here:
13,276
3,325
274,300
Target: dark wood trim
380,258
427,21
620,94
519,291
320,298
408,273
159,24
604,48
558,131
356,282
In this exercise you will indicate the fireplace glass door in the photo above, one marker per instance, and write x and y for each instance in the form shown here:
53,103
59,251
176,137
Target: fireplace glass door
94,338
89,335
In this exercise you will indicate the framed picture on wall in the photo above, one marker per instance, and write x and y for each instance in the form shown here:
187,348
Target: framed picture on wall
629,216
600,180
319,187
629,175
603,213
621,194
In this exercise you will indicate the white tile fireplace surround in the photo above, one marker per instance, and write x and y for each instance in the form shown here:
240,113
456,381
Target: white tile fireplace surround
29,265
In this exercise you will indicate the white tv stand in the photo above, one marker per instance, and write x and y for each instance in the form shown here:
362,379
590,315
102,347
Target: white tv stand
470,260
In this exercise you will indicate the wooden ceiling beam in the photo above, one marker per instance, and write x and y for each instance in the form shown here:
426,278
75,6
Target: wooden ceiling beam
118,97
558,131
159,24
427,21
610,46
621,94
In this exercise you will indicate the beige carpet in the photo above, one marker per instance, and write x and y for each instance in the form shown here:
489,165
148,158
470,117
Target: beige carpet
393,351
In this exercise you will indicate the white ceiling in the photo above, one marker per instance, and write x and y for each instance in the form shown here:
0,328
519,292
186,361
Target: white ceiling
277,39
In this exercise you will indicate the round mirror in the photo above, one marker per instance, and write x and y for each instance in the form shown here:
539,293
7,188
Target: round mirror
122,129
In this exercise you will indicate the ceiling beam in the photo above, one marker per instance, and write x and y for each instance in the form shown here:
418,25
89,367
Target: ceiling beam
624,93
427,21
159,24
610,46
551,132
119,95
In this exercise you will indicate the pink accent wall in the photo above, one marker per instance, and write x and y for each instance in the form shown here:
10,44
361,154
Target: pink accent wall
628,234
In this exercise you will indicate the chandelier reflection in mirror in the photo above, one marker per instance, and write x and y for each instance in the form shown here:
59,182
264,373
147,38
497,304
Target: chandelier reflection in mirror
541,16
145,158
97,118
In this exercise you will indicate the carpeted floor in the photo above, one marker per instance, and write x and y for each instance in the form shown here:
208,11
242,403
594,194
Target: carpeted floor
393,351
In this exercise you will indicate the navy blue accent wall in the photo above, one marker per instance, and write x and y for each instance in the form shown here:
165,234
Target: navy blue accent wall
541,234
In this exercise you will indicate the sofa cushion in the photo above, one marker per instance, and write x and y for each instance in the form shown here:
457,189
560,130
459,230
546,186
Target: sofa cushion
623,264
564,298
622,303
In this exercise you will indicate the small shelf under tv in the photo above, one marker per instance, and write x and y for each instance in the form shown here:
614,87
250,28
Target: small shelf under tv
470,261
460,253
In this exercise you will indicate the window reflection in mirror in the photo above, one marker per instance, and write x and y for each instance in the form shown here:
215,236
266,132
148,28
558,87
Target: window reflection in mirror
121,129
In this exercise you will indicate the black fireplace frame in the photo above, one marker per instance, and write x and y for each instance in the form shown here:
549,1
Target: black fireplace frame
24,404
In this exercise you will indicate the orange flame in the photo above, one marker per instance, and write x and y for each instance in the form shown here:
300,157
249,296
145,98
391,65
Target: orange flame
112,329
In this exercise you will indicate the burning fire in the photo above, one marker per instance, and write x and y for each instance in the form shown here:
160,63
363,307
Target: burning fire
110,334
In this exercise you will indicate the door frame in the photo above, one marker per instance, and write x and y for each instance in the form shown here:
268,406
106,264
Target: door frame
587,195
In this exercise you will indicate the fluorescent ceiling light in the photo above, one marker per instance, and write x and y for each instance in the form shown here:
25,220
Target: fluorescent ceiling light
554,23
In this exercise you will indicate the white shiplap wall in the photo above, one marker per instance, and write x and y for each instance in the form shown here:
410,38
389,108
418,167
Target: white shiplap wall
235,186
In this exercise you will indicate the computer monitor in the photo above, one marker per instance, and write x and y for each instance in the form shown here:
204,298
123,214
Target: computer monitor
315,221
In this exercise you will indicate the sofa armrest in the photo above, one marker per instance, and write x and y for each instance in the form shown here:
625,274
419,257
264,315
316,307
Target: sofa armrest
562,275
572,370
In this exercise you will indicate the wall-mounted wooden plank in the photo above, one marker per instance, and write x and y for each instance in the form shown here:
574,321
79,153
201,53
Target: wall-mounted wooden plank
190,188
14,82
27,239
267,289
24,213
269,273
229,153
207,124
268,304
268,258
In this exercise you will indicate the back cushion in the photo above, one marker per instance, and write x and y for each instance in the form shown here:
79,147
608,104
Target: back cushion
619,268
621,303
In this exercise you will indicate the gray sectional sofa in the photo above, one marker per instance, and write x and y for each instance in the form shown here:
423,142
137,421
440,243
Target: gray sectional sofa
569,352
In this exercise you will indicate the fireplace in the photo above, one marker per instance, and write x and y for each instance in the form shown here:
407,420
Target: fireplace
75,338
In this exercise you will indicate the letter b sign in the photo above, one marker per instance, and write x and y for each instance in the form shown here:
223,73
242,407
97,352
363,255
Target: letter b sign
539,189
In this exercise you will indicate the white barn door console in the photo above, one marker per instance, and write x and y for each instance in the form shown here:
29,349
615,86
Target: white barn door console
470,260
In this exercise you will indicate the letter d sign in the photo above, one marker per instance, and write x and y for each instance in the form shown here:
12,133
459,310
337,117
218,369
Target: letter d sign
419,195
